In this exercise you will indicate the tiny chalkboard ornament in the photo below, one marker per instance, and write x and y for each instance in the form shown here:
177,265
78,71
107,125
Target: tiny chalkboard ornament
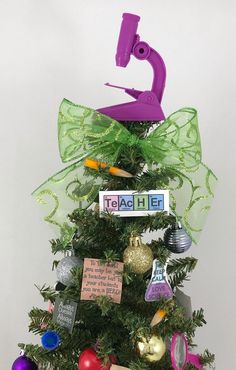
89,360
176,239
24,363
64,313
50,340
64,268
152,349
138,256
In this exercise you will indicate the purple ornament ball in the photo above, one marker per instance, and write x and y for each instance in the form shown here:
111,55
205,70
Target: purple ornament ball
24,363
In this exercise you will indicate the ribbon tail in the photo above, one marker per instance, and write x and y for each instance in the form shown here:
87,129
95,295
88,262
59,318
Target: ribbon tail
62,193
191,195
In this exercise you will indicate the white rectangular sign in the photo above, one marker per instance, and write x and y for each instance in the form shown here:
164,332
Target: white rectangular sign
130,203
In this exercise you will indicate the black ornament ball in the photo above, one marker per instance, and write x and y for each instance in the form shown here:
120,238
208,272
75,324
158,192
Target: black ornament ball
59,287
176,239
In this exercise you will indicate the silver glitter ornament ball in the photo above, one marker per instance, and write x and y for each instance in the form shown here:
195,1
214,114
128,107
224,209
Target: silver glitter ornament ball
176,239
64,267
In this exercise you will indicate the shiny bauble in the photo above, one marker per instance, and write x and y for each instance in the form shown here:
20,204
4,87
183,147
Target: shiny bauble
50,340
153,349
64,268
89,360
24,363
138,256
176,239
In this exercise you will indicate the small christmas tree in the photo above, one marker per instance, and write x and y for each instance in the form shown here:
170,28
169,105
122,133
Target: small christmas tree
116,300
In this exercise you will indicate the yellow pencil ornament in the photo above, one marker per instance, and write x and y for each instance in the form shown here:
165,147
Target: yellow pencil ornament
115,171
158,317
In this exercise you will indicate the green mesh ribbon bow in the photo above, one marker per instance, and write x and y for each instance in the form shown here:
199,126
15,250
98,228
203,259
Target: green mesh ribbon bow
84,132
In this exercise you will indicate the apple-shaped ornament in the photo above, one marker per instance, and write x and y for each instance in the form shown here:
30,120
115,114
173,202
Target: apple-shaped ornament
89,360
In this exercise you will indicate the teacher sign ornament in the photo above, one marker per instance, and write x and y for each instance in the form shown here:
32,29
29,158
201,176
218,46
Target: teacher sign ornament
130,203
175,144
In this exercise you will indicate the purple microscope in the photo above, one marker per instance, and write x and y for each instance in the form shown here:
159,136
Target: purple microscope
146,106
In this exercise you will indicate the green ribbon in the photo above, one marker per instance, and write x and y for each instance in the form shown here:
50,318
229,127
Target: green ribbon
84,132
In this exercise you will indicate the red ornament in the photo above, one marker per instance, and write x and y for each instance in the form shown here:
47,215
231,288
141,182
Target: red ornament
89,360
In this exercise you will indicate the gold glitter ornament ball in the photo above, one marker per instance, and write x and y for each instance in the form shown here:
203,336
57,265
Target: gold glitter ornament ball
138,256
153,349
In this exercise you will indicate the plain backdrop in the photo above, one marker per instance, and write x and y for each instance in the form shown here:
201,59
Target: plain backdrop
51,49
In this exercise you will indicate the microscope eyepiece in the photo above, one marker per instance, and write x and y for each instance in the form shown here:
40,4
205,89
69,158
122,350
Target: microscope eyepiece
127,38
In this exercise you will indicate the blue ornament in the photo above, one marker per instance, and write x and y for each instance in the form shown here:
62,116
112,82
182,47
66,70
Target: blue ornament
50,340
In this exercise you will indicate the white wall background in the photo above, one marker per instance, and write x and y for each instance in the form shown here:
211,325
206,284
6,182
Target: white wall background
54,49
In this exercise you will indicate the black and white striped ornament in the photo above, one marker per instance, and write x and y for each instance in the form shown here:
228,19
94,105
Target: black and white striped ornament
176,239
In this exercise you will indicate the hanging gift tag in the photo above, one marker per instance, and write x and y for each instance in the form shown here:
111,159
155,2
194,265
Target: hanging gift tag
101,279
117,367
158,286
64,313
129,203
184,301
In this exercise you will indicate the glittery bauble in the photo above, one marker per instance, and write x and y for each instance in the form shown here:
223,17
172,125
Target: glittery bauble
138,256
24,363
176,239
152,349
64,267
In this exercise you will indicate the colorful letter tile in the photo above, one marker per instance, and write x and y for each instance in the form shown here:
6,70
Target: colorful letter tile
156,202
140,202
126,203
111,203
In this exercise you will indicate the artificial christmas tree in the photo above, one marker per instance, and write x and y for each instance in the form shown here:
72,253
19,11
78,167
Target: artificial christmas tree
116,303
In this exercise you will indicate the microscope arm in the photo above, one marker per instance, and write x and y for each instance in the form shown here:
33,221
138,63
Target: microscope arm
143,51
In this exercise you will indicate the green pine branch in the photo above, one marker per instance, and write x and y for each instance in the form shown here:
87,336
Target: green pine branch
156,179
48,293
207,358
186,264
177,280
179,270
